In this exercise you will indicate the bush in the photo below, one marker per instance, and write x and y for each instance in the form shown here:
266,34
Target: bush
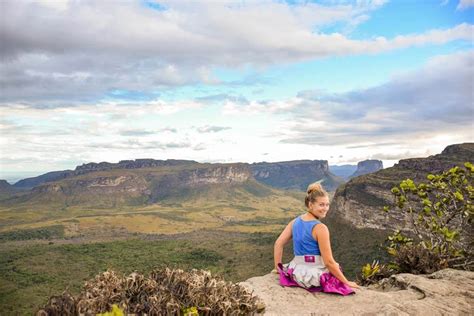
416,259
164,292
441,213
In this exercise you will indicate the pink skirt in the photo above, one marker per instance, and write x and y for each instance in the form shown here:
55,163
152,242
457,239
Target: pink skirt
310,273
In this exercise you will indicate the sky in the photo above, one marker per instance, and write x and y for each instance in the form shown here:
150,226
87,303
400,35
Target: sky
232,81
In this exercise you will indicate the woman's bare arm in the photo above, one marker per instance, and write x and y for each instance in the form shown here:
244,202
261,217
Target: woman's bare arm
321,234
280,243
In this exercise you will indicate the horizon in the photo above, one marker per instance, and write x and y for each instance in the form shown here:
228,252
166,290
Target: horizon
232,81
15,176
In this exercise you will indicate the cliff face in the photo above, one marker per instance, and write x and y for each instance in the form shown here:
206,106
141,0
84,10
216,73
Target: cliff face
367,166
446,292
295,175
130,164
192,181
138,187
360,201
96,167
287,175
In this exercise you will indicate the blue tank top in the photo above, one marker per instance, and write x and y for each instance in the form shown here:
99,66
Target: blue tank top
303,241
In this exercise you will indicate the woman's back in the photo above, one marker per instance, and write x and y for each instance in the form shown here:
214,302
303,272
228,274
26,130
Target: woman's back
303,241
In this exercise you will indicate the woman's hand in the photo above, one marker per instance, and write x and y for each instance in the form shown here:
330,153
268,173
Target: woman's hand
353,285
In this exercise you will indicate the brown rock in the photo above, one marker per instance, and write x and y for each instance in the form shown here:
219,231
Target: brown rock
446,292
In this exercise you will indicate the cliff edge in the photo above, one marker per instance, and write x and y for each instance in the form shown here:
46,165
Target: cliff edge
445,292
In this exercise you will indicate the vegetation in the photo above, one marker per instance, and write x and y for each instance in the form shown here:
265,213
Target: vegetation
31,273
164,291
441,213
56,231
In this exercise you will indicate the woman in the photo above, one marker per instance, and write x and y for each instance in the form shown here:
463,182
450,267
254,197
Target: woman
311,244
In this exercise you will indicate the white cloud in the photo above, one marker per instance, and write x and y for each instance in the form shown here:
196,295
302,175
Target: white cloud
62,53
434,100
465,4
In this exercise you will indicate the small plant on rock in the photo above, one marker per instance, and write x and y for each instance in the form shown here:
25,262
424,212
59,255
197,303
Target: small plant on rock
372,273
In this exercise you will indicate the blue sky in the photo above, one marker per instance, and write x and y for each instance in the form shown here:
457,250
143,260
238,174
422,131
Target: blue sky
232,81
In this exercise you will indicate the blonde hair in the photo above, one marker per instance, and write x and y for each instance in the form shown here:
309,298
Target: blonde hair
314,191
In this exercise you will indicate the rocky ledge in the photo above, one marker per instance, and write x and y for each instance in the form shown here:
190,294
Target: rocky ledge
446,292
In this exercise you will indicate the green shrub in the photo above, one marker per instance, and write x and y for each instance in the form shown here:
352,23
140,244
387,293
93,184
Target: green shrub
55,231
441,213
372,273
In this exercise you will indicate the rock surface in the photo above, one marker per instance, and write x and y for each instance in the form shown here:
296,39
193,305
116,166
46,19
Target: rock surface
366,167
446,292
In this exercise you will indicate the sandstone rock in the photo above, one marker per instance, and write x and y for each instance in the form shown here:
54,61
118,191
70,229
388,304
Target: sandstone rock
295,175
366,167
446,292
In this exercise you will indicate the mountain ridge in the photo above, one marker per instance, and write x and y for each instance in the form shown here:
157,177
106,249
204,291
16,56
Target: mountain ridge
361,200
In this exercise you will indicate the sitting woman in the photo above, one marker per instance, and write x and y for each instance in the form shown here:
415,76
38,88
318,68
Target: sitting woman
313,263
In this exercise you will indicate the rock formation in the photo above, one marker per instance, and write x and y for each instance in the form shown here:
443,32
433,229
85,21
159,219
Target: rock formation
295,175
94,167
367,166
446,292
137,186
361,200
343,171
130,164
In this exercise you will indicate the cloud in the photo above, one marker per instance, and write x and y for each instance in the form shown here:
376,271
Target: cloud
138,144
223,97
465,4
212,129
144,132
434,99
74,52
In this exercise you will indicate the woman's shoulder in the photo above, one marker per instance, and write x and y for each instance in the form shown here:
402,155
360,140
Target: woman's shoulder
321,227
320,230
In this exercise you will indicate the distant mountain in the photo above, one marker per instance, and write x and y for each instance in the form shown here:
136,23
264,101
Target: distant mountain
295,175
360,201
110,187
367,166
343,171
30,183
6,189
